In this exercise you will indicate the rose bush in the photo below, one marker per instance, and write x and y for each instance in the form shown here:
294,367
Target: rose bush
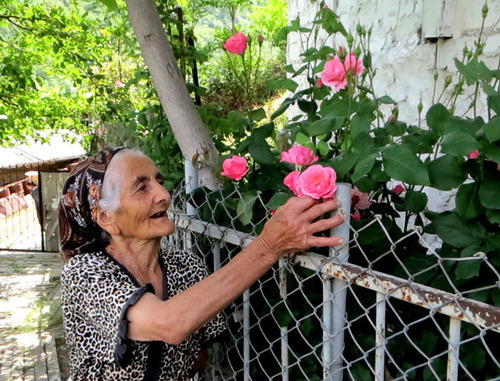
356,137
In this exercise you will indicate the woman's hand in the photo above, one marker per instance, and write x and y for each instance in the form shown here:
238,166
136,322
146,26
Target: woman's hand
294,224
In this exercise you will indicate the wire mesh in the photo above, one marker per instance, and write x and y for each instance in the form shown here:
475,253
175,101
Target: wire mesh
406,316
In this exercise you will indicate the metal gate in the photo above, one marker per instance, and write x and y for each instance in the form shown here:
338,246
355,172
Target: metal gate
28,209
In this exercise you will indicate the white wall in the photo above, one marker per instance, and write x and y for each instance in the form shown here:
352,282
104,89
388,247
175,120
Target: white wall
405,61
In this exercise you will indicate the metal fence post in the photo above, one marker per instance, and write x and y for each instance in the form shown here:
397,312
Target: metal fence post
191,179
339,288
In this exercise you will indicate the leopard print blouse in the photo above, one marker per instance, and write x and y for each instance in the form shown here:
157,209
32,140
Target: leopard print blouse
96,293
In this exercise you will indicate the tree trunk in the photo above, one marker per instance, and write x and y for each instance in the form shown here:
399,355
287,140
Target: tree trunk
191,134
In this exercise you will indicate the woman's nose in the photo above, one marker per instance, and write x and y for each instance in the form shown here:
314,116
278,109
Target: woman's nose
161,194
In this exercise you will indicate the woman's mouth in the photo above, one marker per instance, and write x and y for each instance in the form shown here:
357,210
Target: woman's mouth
159,215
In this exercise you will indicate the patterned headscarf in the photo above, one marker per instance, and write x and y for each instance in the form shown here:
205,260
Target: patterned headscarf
78,205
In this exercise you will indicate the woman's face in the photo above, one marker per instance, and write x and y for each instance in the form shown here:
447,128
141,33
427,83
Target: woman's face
144,200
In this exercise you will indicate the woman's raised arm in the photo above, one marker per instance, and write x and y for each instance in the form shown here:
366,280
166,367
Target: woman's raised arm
292,228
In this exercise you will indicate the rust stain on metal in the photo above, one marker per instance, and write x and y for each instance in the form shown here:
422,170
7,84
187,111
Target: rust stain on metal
468,310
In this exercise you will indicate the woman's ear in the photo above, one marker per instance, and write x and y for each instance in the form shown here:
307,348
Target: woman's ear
106,222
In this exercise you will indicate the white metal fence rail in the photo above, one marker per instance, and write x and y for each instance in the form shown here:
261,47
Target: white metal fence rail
312,317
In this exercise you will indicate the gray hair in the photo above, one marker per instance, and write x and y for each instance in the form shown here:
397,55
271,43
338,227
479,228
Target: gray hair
109,199
111,184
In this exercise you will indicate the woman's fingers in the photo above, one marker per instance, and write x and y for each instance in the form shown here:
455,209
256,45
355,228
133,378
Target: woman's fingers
314,241
318,210
327,223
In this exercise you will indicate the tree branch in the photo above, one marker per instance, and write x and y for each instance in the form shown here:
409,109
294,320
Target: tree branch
10,18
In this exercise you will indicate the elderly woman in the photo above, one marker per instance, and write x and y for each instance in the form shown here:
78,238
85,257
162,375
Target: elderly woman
133,311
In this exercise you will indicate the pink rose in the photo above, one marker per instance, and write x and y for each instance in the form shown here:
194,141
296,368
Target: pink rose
356,215
299,155
473,155
119,84
292,182
355,66
235,168
398,189
237,44
318,182
359,200
334,74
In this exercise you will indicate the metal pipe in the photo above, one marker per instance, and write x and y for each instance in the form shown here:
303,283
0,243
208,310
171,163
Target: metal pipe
453,350
284,330
191,179
380,337
478,313
339,287
246,335
327,354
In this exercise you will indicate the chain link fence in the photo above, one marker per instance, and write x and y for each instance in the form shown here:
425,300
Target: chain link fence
345,313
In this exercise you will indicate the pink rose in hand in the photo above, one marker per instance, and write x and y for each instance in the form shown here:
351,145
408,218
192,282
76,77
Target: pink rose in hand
299,155
473,155
318,182
237,44
353,64
235,168
292,182
334,74
359,200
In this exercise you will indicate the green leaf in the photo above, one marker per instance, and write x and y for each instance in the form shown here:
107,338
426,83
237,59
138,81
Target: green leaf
258,114
437,116
111,4
302,139
468,269
264,131
459,144
491,151
360,124
414,201
493,216
307,106
278,199
494,103
455,232
330,22
260,151
402,164
344,163
396,128
323,148
489,193
324,125
446,172
284,106
245,207
279,84
467,202
363,166
473,71
492,129
386,100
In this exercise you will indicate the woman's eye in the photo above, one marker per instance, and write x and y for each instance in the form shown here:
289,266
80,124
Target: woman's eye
142,188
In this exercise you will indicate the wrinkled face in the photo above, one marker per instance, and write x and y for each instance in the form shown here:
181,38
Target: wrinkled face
144,200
